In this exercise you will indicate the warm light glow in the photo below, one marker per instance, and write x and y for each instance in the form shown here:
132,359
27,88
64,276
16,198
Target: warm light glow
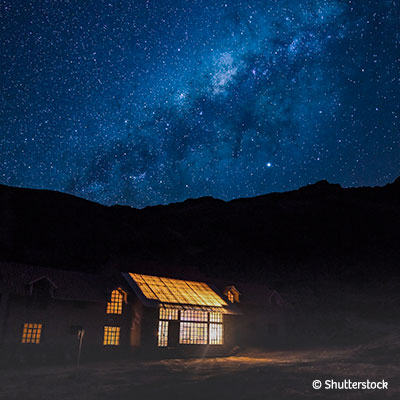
169,313
231,297
196,327
31,333
111,335
193,333
194,315
215,317
162,333
216,334
168,290
115,305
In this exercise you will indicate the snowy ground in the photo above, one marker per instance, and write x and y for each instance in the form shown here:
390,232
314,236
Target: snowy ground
247,376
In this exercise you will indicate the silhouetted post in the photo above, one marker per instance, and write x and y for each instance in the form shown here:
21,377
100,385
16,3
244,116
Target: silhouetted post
81,334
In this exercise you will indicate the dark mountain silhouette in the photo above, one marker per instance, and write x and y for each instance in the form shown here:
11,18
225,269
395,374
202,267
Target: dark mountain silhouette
320,230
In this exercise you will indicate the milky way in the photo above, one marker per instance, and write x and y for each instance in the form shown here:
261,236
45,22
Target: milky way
152,102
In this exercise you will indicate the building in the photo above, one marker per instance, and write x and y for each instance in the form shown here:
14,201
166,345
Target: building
181,315
263,321
45,313
42,311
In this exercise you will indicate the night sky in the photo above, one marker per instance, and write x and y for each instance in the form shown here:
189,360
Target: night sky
152,102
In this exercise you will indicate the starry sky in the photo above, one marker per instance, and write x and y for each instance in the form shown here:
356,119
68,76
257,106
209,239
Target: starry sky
150,102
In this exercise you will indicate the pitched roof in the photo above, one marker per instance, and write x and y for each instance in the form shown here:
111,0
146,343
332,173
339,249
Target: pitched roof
155,291
68,285
250,293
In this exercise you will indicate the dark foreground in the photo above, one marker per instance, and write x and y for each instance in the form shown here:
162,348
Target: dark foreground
247,376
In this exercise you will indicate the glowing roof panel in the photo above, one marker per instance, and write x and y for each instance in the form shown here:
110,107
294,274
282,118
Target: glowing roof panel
167,290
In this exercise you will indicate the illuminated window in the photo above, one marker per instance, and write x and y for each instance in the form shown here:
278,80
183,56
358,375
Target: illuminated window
165,315
168,313
162,333
215,317
115,305
193,333
216,328
111,335
196,326
216,334
231,297
31,333
194,315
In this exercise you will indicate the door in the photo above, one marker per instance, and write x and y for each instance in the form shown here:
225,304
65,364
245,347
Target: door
173,333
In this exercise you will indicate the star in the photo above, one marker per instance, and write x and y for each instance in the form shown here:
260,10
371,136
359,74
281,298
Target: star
118,105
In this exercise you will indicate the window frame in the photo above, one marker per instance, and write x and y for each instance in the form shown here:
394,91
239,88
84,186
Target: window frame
111,335
115,305
216,333
196,327
35,334
162,335
193,332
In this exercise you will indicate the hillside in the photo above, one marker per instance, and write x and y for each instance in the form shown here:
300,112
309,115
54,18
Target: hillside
319,230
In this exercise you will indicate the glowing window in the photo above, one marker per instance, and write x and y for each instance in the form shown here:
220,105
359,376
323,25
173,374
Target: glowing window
31,333
231,297
168,313
162,333
193,333
215,317
115,305
111,335
216,334
194,315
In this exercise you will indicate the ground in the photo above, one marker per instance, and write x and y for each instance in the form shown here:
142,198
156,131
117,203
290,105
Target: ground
248,375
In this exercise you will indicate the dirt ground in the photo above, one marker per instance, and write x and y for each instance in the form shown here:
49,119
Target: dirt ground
246,376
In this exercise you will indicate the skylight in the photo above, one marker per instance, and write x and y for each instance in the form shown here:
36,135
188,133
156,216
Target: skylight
167,290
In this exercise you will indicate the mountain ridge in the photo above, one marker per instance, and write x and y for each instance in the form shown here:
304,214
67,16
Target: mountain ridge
320,229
